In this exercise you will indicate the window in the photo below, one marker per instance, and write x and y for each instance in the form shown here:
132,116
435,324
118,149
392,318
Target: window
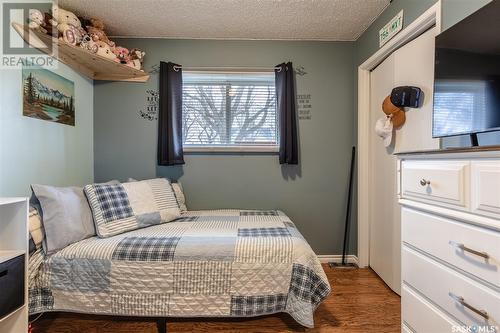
229,111
460,106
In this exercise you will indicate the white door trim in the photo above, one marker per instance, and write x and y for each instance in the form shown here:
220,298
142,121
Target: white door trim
432,17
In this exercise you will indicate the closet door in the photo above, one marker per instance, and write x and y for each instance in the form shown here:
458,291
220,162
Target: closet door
413,64
384,210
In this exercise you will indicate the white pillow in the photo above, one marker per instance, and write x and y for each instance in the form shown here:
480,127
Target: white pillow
36,228
179,195
178,191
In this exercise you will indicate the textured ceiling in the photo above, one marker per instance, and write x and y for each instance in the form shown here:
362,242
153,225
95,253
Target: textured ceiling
340,20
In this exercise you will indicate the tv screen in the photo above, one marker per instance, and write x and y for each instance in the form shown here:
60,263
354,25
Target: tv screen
467,75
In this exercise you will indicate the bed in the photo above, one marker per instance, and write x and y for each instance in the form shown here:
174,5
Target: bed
219,263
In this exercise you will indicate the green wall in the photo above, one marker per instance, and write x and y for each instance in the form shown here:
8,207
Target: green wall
43,152
313,194
456,10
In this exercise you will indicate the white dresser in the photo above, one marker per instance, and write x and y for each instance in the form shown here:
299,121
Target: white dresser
450,232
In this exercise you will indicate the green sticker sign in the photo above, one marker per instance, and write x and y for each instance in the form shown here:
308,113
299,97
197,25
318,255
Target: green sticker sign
391,29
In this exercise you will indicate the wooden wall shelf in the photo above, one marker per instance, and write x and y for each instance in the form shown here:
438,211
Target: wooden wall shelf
89,64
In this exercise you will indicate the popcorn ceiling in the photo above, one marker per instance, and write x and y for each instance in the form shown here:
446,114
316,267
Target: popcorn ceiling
335,20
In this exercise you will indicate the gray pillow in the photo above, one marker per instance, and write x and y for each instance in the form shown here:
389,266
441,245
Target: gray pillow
66,216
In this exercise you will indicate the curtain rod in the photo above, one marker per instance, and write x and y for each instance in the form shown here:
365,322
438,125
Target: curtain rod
229,69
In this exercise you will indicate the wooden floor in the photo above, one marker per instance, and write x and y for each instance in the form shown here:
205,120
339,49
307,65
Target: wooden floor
360,302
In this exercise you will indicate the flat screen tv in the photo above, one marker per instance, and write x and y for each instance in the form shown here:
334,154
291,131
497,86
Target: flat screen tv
467,76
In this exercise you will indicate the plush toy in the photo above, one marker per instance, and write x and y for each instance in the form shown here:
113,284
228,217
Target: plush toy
69,26
136,59
105,51
51,29
37,20
394,113
88,44
85,22
96,31
122,54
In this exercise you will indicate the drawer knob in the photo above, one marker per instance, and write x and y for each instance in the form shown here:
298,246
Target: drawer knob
424,182
460,300
468,249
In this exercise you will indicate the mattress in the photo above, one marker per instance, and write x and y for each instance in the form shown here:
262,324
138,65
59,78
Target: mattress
223,263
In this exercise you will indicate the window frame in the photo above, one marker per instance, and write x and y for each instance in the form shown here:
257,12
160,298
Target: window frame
244,148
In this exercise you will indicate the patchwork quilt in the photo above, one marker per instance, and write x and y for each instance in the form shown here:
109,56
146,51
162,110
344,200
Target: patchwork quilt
224,263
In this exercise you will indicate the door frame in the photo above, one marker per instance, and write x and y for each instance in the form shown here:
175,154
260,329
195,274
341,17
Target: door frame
431,17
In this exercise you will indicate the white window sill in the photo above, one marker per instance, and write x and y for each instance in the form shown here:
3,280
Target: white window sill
231,149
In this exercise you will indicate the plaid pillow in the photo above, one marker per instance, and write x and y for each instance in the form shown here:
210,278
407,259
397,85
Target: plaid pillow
118,208
37,233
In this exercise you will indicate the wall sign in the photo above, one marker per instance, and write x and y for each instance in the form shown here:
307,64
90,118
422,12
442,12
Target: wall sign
391,29
304,106
150,111
300,70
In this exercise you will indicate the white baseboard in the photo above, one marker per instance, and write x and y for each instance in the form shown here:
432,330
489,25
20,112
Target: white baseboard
325,258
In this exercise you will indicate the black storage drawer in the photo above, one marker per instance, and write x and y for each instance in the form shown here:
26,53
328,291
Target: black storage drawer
11,285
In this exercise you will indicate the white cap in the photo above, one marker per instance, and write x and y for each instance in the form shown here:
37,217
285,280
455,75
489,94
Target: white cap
383,128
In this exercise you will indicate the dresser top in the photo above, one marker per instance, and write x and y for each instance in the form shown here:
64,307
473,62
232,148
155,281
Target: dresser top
458,150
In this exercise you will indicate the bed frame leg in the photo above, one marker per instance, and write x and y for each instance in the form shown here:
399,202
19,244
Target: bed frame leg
161,324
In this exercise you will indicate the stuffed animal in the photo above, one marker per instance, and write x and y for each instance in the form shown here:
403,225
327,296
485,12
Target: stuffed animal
395,114
85,22
122,54
37,20
136,58
69,26
88,44
105,51
96,31
51,29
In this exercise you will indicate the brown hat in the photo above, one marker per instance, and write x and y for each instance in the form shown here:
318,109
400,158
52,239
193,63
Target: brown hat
397,114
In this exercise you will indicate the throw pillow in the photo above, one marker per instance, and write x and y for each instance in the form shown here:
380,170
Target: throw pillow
118,208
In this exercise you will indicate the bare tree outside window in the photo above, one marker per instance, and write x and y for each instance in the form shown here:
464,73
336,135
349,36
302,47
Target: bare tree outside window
229,113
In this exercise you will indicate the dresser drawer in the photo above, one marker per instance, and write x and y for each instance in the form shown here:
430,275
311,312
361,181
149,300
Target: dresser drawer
422,273
459,244
11,285
444,183
485,188
422,316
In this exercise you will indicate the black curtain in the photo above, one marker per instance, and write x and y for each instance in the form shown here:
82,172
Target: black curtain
170,115
285,92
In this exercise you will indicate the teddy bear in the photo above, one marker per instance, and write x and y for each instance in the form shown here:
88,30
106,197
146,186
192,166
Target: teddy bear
96,31
136,58
37,20
105,51
122,54
85,23
88,44
69,26
51,29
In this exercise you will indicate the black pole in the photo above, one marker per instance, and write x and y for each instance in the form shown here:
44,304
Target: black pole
348,212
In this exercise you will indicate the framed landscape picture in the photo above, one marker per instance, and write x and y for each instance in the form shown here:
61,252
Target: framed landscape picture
48,96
